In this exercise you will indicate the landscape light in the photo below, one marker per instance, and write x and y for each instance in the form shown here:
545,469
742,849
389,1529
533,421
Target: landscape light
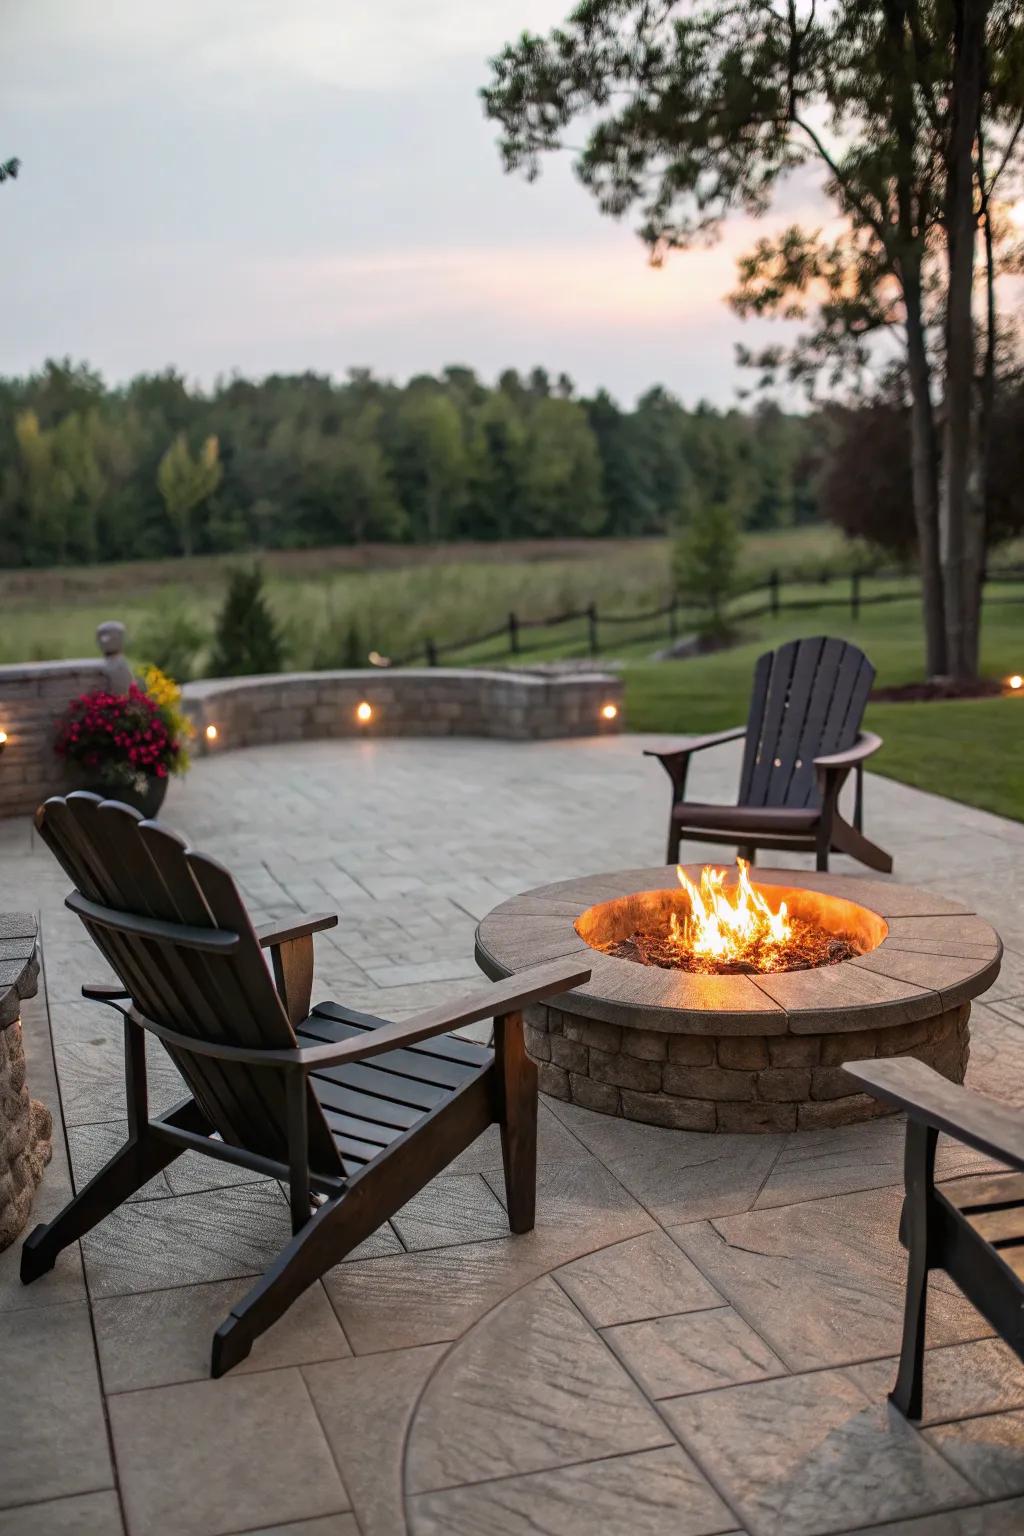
364,713
3,740
211,733
1016,682
609,711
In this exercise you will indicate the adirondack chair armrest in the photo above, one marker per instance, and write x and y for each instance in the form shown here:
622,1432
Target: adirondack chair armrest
931,1099
291,955
676,760
509,996
270,934
110,992
866,744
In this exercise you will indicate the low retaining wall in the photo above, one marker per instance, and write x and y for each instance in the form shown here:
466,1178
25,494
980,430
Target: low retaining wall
300,706
32,699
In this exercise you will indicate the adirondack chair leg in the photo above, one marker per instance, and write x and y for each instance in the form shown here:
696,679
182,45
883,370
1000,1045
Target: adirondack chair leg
517,1078
849,840
919,1165
343,1222
126,1173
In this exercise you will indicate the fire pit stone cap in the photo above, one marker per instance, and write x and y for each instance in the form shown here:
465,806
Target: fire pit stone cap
935,954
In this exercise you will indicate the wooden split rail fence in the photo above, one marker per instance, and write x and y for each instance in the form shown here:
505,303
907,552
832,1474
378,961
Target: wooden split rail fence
676,617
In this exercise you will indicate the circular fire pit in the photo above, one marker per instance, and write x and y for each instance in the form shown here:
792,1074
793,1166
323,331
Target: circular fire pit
750,1049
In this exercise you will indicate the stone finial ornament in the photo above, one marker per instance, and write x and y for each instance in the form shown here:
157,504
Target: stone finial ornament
111,636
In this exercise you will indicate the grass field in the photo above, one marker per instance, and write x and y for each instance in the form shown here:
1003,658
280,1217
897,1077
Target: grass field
969,750
396,595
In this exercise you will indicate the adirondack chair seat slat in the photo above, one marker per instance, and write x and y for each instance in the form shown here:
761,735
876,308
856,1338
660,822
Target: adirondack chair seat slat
426,1066
984,1192
366,1126
449,1047
803,739
744,818
271,1088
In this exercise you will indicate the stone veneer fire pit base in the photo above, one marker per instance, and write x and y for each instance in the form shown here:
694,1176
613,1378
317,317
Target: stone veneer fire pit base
729,1082
739,1052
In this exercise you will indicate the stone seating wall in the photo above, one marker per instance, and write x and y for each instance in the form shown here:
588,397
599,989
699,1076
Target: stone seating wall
302,706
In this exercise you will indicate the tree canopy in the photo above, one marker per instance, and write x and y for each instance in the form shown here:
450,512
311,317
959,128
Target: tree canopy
156,467
911,109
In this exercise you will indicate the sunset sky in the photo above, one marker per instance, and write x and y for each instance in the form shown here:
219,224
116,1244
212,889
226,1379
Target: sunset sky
268,186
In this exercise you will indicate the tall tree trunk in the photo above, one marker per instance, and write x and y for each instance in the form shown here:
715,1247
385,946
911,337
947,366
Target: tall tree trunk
961,552
924,464
986,411
908,252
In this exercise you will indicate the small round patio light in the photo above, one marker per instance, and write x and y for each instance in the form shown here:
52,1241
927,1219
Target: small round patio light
364,713
1016,682
3,740
211,733
609,711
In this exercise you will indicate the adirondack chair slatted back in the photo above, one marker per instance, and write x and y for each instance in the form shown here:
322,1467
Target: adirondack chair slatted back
808,700
142,869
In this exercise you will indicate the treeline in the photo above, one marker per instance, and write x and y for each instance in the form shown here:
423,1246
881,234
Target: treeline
91,473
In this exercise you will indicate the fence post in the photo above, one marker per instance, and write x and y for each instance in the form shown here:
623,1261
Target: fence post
855,595
773,594
673,616
592,627
513,634
431,653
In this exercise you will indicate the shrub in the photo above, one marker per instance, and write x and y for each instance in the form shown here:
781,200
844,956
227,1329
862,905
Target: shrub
247,639
705,558
171,640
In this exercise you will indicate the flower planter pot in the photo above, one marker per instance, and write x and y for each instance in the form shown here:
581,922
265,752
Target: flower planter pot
147,801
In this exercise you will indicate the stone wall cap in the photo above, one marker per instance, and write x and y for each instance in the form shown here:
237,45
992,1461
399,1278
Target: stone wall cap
212,687
27,672
19,967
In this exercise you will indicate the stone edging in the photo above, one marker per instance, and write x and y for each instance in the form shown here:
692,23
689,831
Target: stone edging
434,701
26,1126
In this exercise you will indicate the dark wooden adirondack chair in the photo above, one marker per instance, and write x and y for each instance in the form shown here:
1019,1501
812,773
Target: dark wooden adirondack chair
803,739
344,1106
973,1227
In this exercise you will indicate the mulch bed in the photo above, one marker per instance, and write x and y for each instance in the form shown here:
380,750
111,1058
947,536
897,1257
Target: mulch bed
938,688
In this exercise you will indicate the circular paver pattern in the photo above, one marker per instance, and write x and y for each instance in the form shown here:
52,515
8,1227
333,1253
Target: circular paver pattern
744,1053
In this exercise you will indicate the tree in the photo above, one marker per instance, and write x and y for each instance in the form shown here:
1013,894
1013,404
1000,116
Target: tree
561,481
913,110
865,472
185,483
433,460
705,557
9,169
246,639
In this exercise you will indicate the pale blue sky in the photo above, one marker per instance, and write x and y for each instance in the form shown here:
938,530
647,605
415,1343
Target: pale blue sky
274,185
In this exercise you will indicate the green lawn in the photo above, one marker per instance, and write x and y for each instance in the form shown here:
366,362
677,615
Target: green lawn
970,750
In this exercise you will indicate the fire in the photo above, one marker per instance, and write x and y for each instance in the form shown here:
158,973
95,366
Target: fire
729,930
730,925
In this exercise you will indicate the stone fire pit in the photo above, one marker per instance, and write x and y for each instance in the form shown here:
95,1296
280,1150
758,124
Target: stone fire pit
748,1052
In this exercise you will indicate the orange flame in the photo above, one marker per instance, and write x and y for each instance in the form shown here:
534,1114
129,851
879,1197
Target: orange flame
733,924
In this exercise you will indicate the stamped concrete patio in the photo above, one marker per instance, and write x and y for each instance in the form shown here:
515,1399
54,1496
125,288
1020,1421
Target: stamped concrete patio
697,1338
